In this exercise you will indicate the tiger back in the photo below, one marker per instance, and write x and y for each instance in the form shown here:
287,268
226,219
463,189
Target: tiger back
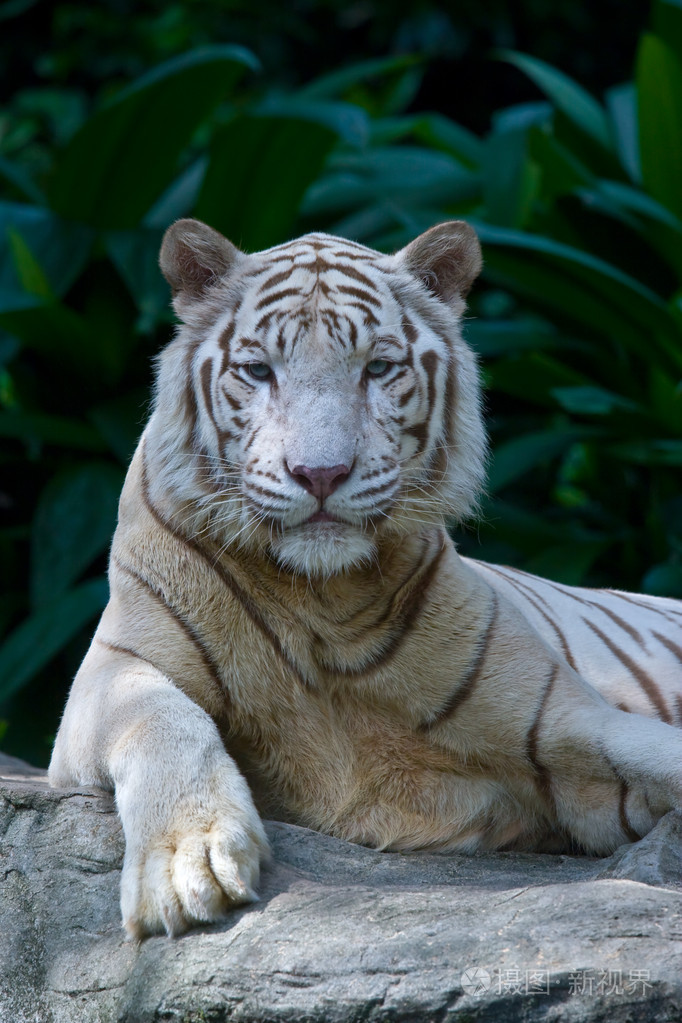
285,598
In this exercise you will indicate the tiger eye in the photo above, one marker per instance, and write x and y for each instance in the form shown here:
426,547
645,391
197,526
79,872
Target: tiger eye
378,367
259,370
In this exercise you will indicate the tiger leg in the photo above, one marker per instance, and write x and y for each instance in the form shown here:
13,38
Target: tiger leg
193,837
609,775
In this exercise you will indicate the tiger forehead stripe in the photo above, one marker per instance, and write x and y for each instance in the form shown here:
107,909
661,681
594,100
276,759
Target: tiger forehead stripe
277,296
361,293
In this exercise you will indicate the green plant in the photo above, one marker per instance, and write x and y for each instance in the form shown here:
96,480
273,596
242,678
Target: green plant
578,318
579,208
83,309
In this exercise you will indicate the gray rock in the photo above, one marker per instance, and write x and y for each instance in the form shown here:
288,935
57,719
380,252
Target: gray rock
342,934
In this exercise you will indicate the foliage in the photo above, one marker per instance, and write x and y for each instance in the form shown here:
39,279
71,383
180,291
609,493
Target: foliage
578,319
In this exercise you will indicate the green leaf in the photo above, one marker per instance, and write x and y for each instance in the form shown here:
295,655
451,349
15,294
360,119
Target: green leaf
518,456
179,198
43,254
566,563
440,132
73,524
37,429
575,102
22,181
120,421
663,581
261,166
621,103
348,122
635,201
560,169
667,23
135,254
121,160
63,336
582,287
532,376
510,178
659,92
337,83
402,175
41,636
28,269
493,338
591,401
648,452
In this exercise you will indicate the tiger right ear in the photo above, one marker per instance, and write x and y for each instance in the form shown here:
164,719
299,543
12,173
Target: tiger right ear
194,257
446,258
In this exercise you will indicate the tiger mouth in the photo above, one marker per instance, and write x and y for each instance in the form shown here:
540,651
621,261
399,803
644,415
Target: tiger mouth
324,516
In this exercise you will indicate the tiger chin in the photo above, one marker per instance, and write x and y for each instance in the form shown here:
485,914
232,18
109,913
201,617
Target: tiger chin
286,604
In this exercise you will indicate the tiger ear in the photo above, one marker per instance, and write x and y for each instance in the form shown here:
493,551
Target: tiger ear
446,258
194,257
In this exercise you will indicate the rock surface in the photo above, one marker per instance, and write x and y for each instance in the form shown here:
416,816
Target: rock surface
341,934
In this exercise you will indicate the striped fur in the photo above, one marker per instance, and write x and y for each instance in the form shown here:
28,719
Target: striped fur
287,608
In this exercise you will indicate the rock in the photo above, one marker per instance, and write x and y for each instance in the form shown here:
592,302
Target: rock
341,934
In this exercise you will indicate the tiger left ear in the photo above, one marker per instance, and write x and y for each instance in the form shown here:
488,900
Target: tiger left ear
446,258
194,257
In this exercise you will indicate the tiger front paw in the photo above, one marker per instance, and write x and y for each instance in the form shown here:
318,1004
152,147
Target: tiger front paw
205,861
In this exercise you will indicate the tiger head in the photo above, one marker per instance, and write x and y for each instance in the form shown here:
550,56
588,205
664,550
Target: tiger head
318,397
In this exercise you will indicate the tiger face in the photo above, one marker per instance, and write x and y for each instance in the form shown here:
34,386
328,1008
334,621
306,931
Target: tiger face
325,395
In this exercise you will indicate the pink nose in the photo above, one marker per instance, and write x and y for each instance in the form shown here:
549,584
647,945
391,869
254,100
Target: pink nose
322,481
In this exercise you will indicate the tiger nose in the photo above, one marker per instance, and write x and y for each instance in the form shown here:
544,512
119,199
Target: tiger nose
320,481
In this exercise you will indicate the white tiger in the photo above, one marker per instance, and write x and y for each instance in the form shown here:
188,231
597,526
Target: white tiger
286,606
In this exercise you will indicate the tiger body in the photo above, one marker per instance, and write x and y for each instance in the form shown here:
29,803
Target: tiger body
287,608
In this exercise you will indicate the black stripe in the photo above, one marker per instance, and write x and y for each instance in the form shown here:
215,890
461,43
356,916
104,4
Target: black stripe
522,589
276,296
360,293
206,377
276,278
350,271
187,628
565,592
402,613
467,683
625,824
118,649
638,673
624,791
542,775
674,648
226,578
667,613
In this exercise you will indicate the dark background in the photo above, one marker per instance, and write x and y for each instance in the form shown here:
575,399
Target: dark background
372,120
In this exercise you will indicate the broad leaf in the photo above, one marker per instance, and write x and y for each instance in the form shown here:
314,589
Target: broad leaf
127,154
43,254
73,523
582,287
621,103
43,634
591,401
574,101
261,166
518,456
400,174
667,23
336,84
659,91
664,580
36,429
